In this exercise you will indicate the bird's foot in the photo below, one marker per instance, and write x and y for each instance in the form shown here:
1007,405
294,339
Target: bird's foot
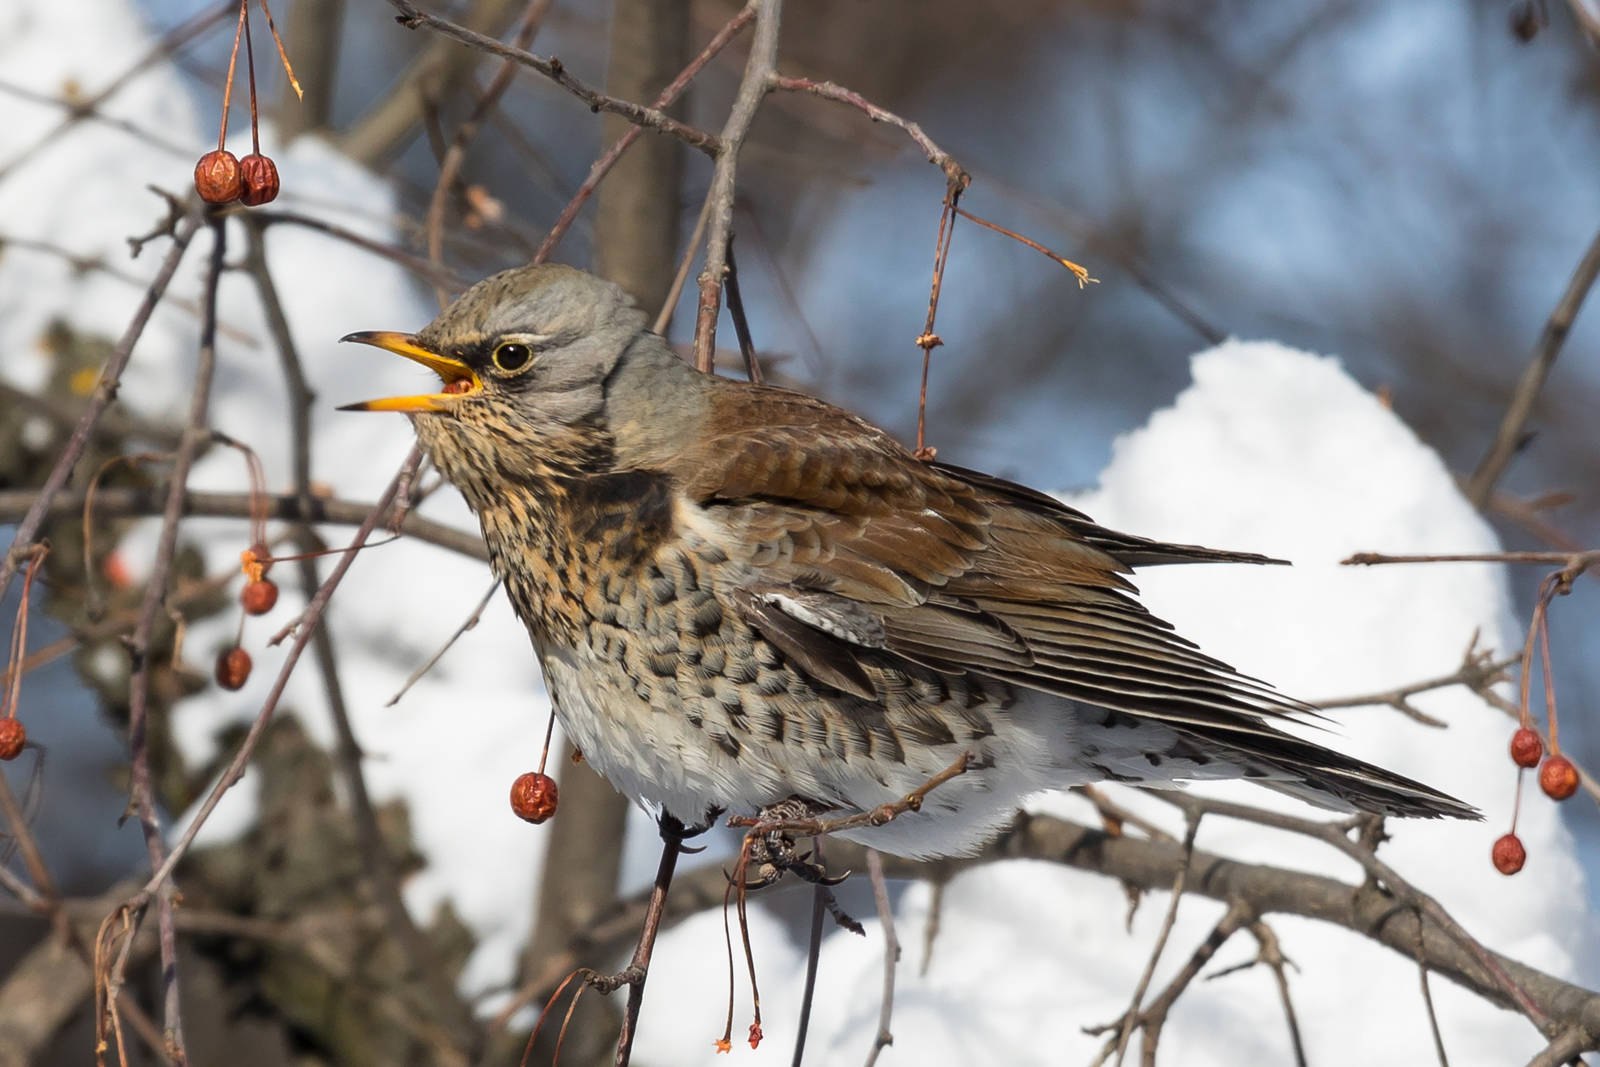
771,849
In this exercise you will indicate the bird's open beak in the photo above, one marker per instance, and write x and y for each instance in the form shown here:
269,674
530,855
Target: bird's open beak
458,378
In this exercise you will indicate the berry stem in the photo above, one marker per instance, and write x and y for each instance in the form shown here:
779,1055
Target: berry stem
1549,688
250,67
227,87
549,731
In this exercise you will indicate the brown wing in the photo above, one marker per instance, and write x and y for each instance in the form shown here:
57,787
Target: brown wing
870,558
966,572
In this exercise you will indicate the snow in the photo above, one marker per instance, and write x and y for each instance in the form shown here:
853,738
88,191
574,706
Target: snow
1269,449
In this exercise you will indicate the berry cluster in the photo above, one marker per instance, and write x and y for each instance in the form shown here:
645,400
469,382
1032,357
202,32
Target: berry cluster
220,177
1558,778
259,596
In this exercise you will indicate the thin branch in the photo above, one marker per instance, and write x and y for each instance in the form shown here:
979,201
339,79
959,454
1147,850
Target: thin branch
954,173
456,154
1508,438
411,17
819,911
142,788
471,622
141,501
608,159
1134,1017
891,954
1478,671
759,71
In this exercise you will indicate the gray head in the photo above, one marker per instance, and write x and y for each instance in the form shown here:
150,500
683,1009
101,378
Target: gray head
524,357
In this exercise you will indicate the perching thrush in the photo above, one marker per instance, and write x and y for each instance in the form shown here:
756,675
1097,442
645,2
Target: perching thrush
742,596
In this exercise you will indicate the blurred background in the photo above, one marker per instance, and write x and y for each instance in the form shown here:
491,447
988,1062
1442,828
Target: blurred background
1408,186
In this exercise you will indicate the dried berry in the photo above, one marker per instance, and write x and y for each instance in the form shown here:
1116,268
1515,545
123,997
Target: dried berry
533,796
217,177
233,668
1558,778
1508,854
1526,748
12,738
260,176
259,597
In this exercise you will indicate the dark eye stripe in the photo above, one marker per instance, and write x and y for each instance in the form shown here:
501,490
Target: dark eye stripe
512,357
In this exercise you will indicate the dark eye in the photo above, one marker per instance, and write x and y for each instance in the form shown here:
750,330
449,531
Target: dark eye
512,357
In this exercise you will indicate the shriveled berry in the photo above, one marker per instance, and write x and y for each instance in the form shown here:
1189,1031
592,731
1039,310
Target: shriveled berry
533,796
218,178
233,668
259,597
12,738
1558,778
260,176
1526,748
1508,854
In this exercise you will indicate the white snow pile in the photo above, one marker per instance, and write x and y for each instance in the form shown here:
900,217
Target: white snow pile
1270,450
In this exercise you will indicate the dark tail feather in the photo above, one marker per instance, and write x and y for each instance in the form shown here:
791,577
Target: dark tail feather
1338,782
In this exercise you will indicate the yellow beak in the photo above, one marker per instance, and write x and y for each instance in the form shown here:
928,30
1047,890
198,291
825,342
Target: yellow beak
458,378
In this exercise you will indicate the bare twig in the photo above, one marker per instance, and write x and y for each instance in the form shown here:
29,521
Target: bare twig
471,621
456,154
411,16
891,954
1478,671
1508,438
1134,1016
633,976
753,87
608,159
819,910
142,800
1079,272
929,340
955,175
128,502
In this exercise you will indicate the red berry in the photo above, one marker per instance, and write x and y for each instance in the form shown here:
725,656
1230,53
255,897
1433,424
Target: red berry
259,597
12,738
1508,854
1558,778
1526,748
533,796
217,177
260,177
233,668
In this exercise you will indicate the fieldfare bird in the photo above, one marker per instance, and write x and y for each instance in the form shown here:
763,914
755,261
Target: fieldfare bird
743,597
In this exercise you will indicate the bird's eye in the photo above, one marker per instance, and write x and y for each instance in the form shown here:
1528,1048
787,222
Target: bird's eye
512,357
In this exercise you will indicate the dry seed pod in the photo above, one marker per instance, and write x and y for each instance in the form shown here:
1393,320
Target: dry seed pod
218,178
260,176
